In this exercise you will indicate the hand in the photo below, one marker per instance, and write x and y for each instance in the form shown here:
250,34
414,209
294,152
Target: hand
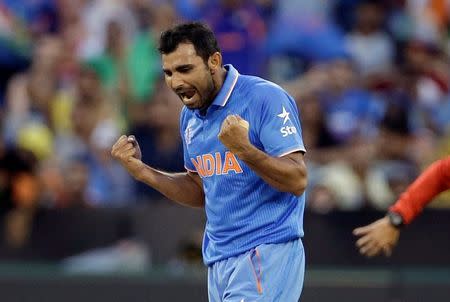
127,151
379,236
234,134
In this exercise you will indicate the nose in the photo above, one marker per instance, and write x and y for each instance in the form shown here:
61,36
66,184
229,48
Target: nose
175,81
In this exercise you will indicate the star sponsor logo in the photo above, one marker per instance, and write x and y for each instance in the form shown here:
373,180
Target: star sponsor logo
284,115
286,130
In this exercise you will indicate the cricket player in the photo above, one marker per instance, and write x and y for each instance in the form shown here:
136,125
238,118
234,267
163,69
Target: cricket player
243,154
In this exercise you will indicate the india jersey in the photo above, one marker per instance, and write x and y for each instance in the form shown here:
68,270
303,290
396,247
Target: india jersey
242,210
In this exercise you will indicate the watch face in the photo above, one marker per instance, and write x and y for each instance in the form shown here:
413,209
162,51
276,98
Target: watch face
396,219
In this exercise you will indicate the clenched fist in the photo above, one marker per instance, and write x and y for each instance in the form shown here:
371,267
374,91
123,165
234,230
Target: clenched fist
126,150
234,134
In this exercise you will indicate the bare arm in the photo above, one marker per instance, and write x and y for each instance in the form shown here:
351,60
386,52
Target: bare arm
286,173
184,188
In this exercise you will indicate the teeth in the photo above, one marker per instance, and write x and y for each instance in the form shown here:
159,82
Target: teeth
185,98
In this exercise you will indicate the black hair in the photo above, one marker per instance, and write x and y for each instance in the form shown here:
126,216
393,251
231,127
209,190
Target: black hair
197,33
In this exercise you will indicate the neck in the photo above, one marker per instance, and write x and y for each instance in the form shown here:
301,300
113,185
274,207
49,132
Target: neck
218,80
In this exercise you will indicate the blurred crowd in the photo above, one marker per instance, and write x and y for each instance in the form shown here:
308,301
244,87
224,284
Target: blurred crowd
371,79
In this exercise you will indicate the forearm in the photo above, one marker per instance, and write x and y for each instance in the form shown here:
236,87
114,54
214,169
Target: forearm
179,187
434,180
283,173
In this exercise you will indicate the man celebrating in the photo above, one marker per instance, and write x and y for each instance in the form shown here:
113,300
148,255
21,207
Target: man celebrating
243,152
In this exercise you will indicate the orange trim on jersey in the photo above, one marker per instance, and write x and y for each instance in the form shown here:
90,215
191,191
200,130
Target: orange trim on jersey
260,272
258,276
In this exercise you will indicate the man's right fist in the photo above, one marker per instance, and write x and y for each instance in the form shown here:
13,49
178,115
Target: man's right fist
127,151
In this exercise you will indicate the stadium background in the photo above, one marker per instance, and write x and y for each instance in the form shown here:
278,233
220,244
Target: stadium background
371,79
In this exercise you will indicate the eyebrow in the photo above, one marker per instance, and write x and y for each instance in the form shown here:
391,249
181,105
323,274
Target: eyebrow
180,67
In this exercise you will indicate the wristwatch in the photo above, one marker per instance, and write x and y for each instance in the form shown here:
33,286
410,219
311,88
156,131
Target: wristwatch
395,219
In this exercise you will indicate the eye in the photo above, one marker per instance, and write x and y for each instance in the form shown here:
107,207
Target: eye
184,69
168,73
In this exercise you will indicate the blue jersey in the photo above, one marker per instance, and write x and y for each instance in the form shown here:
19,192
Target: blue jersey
242,210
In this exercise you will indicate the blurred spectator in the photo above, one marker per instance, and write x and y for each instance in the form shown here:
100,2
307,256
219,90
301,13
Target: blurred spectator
29,95
344,121
94,120
19,188
159,132
240,32
370,47
301,30
194,9
95,17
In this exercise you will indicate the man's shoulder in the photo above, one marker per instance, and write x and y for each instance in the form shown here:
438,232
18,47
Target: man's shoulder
259,87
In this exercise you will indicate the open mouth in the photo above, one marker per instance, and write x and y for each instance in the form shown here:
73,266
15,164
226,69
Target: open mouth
187,95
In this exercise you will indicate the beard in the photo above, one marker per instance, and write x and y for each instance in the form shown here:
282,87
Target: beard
206,96
209,95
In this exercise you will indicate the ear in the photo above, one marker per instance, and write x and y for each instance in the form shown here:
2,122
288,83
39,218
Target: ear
215,62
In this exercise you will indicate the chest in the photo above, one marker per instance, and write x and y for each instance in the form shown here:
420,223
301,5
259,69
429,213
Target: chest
203,147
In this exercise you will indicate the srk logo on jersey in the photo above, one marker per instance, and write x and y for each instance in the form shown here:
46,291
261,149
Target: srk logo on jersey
286,130
208,164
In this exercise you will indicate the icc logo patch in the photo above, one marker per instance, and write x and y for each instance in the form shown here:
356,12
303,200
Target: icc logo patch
188,135
189,132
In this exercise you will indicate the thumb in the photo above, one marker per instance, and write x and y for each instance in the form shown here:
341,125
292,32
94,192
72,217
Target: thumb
132,139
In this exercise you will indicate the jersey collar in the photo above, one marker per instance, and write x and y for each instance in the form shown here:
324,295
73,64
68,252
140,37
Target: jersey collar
227,87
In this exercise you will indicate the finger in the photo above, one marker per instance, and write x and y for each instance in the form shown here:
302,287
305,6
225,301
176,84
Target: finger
125,147
120,142
225,125
129,153
369,249
373,251
226,122
363,241
117,145
238,117
361,230
244,124
232,119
